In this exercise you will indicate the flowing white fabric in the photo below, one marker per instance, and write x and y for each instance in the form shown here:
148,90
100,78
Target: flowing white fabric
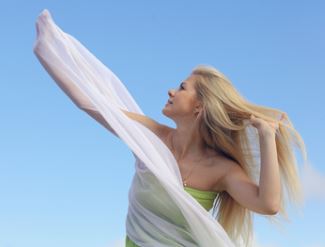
160,213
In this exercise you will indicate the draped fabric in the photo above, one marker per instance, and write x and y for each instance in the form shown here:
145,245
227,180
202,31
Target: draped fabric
160,213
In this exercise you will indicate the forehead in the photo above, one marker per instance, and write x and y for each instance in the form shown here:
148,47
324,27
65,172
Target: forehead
189,81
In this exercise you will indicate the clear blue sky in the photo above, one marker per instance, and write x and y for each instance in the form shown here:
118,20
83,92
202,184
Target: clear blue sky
64,179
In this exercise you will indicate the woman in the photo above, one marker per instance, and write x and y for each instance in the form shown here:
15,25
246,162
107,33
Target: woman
209,144
210,151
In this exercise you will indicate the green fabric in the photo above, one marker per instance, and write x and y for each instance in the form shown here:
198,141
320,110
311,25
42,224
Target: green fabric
205,198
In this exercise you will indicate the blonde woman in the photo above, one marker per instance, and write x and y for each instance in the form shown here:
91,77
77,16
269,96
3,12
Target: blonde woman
211,145
210,154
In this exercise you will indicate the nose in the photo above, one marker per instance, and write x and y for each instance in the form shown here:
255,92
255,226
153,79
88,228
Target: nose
171,92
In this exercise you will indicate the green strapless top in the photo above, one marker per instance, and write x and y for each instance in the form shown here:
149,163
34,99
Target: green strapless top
204,197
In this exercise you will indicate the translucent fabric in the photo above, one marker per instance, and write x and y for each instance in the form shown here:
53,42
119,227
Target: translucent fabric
160,213
205,198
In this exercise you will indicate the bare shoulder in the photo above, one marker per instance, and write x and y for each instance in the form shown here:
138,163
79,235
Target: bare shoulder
234,176
221,168
161,130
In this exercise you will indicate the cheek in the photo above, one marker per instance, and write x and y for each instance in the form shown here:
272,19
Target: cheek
184,106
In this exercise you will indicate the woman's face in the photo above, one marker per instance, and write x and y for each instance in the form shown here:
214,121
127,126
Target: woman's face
182,101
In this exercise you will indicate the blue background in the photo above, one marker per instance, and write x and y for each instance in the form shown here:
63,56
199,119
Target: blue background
64,179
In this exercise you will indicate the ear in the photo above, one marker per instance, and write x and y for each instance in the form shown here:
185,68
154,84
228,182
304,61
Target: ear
198,109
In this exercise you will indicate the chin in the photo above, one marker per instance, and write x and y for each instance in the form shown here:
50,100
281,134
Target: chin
166,112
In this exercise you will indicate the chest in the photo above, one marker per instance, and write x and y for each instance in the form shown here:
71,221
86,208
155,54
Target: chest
204,174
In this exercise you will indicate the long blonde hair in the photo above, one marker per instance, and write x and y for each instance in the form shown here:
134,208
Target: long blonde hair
223,128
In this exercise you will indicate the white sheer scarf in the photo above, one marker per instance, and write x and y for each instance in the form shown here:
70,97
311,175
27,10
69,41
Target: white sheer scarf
160,212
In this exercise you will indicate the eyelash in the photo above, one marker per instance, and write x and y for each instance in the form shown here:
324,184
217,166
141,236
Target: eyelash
181,87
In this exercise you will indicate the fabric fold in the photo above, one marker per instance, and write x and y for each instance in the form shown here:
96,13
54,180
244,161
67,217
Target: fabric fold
160,213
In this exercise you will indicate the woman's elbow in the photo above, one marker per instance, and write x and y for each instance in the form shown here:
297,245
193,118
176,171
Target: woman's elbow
272,209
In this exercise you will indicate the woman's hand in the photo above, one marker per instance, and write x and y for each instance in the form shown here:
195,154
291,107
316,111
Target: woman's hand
265,127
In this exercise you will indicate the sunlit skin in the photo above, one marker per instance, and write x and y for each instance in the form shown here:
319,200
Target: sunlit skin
185,111
226,175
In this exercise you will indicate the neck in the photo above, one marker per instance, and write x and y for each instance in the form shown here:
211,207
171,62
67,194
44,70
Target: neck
187,143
